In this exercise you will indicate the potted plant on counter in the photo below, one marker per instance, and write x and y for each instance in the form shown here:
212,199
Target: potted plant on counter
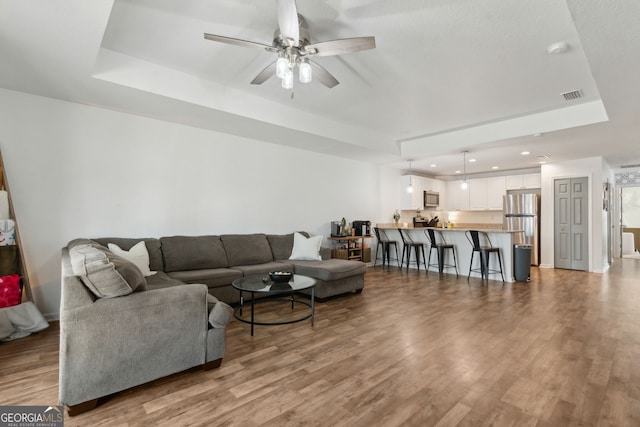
396,217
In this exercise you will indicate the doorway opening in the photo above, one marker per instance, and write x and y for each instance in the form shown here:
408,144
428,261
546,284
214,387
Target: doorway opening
630,221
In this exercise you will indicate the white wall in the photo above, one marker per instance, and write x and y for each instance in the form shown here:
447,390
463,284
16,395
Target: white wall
596,170
80,171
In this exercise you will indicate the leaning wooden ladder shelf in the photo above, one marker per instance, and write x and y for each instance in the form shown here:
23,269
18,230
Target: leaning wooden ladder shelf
22,269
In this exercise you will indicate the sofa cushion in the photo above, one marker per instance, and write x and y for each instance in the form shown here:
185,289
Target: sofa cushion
105,274
247,249
306,248
126,243
330,269
192,253
211,277
137,254
162,280
281,245
251,270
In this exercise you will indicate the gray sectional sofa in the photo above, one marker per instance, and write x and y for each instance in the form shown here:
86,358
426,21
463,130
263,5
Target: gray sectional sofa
217,261
119,329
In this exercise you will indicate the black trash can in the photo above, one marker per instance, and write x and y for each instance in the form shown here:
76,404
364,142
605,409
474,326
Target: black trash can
522,262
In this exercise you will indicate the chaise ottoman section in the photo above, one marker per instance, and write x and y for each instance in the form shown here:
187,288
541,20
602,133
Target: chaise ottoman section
334,276
329,269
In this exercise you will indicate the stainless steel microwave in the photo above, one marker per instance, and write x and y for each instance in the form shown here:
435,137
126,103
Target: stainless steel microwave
431,199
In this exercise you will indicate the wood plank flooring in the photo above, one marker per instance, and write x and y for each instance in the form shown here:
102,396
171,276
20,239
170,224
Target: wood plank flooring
411,350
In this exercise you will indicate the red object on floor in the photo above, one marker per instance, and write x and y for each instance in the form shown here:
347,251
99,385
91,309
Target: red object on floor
10,294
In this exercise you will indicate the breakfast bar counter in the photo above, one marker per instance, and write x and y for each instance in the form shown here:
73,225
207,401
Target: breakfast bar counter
503,239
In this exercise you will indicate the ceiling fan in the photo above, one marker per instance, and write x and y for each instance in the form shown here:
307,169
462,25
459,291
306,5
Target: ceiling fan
291,44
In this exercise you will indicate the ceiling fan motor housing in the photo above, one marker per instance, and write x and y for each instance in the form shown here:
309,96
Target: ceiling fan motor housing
279,42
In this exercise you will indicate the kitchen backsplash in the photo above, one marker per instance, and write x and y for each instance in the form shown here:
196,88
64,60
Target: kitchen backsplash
457,217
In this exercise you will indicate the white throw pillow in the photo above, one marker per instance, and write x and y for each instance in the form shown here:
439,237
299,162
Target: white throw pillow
306,249
138,255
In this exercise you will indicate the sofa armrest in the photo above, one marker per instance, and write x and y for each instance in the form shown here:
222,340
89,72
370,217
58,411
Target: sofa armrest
117,343
219,313
150,302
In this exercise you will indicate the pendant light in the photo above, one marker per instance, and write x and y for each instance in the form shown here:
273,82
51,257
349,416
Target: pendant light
465,182
410,187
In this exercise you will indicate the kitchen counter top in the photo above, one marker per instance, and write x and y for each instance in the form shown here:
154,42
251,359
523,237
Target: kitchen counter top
411,227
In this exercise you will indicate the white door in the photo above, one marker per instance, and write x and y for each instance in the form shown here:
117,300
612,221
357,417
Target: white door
571,224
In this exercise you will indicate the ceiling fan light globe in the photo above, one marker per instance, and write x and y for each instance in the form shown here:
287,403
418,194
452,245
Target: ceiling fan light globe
282,65
287,80
305,73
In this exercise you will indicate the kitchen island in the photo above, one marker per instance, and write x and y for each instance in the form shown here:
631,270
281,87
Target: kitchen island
503,239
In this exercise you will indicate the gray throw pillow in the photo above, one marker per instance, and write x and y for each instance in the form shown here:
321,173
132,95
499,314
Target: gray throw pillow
105,274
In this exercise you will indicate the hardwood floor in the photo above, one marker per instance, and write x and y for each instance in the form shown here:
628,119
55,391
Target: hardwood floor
411,350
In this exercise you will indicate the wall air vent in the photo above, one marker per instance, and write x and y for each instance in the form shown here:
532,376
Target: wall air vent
630,166
574,94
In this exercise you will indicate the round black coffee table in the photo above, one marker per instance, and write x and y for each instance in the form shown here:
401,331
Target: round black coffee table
261,284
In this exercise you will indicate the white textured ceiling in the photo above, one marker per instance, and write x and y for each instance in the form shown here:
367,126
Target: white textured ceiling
446,76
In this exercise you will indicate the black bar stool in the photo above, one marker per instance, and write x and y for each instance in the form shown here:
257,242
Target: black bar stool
440,251
408,244
385,243
485,250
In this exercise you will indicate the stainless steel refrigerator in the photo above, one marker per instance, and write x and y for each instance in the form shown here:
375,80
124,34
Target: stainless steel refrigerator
522,212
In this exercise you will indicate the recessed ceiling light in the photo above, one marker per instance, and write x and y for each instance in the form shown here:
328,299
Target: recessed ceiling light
433,166
495,167
525,153
458,172
542,162
538,134
558,48
472,160
543,157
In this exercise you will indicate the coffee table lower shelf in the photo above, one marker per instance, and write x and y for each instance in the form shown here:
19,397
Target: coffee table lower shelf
237,313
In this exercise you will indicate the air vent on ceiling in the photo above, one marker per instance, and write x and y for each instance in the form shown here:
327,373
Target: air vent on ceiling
630,166
574,94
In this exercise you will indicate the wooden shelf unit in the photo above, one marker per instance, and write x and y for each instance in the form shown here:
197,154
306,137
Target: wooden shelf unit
355,248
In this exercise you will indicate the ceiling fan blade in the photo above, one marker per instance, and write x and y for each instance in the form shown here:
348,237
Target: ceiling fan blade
323,75
238,42
265,74
341,46
288,21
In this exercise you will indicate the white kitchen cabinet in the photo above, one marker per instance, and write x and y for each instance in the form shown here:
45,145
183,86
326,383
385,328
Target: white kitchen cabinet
457,198
478,194
486,193
496,189
521,182
415,199
436,186
431,184
441,187
532,180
